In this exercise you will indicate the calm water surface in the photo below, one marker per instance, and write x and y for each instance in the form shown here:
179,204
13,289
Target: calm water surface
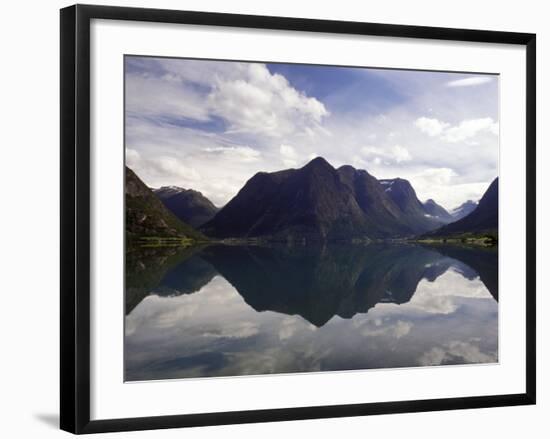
231,310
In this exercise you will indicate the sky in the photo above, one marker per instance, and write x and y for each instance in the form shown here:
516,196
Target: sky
211,125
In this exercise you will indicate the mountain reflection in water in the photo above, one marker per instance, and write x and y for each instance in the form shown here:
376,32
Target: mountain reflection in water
233,310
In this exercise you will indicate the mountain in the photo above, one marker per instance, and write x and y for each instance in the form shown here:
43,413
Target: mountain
483,219
188,205
315,202
146,216
392,200
375,203
315,282
319,283
165,271
411,210
437,212
484,262
464,209
403,194
310,203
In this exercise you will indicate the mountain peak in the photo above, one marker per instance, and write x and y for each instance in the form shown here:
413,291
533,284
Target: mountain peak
434,210
174,188
318,162
346,168
403,195
168,190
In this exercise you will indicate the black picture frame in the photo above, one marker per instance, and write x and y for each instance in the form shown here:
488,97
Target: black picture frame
75,217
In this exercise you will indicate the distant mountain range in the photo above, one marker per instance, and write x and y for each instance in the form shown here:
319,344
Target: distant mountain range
188,205
146,216
437,212
314,203
483,219
463,210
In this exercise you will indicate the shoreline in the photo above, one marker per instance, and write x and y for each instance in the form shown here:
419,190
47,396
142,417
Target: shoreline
484,241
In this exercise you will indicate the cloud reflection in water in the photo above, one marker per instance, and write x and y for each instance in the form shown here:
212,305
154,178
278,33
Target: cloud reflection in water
400,306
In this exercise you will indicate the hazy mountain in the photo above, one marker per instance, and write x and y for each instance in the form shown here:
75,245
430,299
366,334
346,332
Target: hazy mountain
463,210
146,216
484,218
190,206
437,212
319,202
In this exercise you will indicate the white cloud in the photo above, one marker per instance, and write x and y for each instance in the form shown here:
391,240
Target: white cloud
468,129
168,168
395,153
234,330
468,82
456,350
152,96
244,153
434,177
288,155
133,158
289,326
259,102
173,166
441,297
247,96
225,121
432,127
434,357
441,185
312,155
401,154
465,130
377,327
292,158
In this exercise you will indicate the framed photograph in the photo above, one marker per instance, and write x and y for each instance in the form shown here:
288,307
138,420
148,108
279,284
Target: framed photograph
268,218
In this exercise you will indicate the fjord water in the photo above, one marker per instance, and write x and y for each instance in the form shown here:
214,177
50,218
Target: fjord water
227,310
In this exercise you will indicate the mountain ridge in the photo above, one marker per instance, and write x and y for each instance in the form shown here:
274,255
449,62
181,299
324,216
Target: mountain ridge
463,210
437,211
319,202
146,216
189,205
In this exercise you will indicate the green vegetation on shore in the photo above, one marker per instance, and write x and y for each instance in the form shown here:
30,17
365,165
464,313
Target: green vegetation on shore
149,223
484,239
162,241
